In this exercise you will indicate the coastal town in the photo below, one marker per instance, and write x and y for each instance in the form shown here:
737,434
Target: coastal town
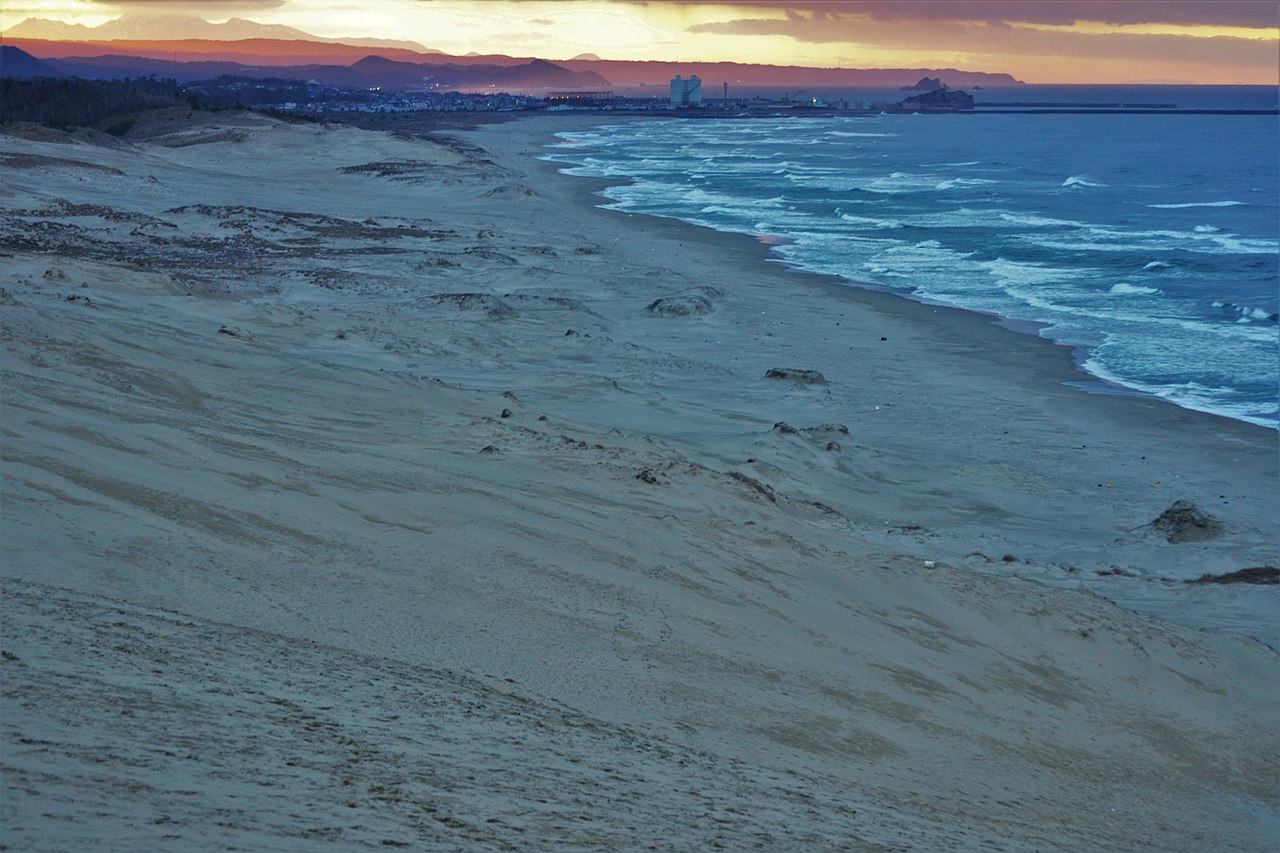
686,94
372,87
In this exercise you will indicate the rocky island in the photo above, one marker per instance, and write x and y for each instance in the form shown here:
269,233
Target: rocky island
937,100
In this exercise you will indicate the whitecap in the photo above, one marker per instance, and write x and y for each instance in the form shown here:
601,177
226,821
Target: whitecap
1198,204
1247,313
1158,265
866,220
1206,229
1080,181
1033,221
1009,273
900,182
1130,289
1111,240
953,183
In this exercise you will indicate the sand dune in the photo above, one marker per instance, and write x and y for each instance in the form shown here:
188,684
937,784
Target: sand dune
357,494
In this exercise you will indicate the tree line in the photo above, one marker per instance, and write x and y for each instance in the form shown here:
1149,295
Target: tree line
69,103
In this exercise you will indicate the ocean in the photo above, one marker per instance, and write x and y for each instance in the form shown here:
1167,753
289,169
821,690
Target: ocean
1148,242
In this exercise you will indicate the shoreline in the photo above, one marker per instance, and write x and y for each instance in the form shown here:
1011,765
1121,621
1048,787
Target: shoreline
1134,427
594,190
1091,382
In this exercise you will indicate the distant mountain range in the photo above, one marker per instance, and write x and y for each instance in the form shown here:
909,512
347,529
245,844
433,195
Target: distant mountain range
368,72
169,27
123,48
739,75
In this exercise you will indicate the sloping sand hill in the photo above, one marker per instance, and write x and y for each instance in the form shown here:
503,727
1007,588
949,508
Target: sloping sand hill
366,491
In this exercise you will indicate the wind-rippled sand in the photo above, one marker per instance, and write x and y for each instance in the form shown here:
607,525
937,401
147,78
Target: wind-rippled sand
369,491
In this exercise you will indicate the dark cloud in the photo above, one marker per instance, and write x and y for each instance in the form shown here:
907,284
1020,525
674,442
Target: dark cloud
1232,13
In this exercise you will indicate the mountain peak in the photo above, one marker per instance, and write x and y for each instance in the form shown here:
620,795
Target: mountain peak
373,62
44,28
15,62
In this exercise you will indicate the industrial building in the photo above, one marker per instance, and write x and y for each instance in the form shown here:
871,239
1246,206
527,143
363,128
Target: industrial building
686,93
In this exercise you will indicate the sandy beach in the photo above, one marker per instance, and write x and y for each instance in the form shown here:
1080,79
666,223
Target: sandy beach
367,490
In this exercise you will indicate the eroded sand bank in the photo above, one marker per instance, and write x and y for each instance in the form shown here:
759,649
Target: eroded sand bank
354,495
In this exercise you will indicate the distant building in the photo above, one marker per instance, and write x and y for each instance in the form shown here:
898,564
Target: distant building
686,93
580,98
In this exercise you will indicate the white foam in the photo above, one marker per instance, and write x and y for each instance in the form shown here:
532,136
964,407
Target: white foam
1198,204
1020,273
866,220
1189,395
953,183
1158,265
1247,313
1128,289
1203,242
1081,181
1031,220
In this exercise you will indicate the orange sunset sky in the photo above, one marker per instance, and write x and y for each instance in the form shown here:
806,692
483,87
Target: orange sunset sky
1053,41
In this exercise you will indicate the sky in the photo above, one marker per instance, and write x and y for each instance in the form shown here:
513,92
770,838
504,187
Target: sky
1051,41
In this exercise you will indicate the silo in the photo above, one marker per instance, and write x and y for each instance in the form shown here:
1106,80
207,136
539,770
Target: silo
693,91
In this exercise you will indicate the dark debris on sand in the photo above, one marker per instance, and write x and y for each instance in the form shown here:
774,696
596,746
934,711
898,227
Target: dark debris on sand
1255,575
799,376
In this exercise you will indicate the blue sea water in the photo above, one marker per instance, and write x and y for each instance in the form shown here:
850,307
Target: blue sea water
1150,242
1182,96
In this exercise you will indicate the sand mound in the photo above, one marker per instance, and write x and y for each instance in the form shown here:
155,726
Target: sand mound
792,374
696,302
510,191
1183,521
39,161
78,136
492,306
397,170
186,139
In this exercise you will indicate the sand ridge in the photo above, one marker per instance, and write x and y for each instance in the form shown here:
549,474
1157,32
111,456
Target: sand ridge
395,408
